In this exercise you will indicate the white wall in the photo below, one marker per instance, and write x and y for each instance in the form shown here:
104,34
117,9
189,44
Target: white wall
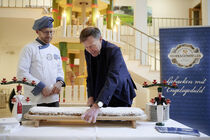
205,12
195,2
125,2
171,8
15,33
208,10
164,8
20,12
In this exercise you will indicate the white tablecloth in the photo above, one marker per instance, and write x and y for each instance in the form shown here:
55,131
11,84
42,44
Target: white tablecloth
99,131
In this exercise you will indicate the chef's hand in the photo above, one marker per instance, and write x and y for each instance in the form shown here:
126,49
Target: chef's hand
90,101
91,114
57,87
46,91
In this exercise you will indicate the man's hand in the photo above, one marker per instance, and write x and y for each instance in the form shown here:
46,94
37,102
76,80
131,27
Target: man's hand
57,87
90,101
46,91
91,114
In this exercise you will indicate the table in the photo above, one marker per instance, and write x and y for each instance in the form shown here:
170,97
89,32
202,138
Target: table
99,131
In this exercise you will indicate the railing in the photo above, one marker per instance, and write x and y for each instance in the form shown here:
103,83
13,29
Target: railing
70,95
26,3
156,23
148,51
73,96
73,32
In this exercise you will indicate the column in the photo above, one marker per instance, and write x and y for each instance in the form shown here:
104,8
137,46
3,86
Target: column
94,11
64,53
117,23
59,15
55,13
69,12
63,23
64,57
110,13
83,9
69,16
140,22
205,12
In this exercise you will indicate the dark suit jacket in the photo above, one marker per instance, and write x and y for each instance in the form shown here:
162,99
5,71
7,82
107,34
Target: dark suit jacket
110,76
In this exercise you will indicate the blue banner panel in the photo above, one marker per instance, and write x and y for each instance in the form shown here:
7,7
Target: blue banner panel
185,59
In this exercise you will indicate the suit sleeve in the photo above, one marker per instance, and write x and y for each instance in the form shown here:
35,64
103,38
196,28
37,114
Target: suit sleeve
113,76
24,67
88,81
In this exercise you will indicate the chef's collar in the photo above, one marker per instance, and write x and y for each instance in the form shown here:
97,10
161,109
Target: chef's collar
41,42
43,45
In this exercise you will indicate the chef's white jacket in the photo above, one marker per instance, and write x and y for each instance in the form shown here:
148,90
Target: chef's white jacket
41,63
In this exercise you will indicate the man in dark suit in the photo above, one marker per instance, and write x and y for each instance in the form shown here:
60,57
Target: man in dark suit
109,83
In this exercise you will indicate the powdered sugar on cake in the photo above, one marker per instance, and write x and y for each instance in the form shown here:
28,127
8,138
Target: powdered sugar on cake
108,111
57,110
121,111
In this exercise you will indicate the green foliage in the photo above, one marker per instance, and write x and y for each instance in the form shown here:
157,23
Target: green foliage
149,21
125,18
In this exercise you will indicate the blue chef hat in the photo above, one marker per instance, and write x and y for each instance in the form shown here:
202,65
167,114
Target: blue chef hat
44,22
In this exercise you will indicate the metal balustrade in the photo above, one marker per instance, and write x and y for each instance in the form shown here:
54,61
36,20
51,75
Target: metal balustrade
151,57
157,22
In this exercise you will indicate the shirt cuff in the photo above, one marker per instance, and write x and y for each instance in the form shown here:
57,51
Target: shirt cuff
61,79
38,88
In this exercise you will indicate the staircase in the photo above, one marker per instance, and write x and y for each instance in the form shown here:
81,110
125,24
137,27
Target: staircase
144,66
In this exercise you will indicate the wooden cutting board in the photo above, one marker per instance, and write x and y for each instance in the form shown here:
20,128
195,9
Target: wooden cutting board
39,118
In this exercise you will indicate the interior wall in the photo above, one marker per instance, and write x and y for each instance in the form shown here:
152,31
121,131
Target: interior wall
125,2
195,2
205,12
171,8
21,12
15,33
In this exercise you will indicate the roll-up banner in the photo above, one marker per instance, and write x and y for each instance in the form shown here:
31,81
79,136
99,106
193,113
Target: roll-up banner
185,59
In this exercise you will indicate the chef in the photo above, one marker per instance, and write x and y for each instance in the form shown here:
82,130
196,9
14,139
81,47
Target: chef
41,62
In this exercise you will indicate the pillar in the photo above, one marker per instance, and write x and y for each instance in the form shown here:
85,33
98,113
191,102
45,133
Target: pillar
55,13
83,9
64,57
205,4
60,11
140,22
68,12
94,11
110,13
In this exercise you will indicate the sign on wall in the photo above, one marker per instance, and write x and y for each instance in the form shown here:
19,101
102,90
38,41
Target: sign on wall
185,59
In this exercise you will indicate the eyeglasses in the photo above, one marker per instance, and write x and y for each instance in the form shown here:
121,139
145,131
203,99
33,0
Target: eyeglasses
47,32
